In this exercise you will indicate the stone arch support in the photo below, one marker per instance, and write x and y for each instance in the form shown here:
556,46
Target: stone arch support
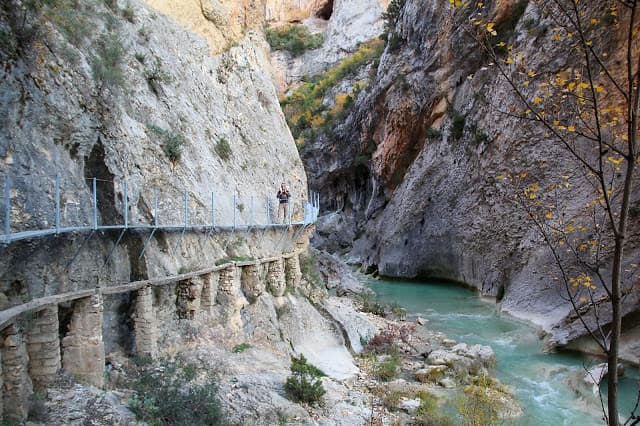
276,283
83,347
252,285
43,346
145,324
16,385
292,271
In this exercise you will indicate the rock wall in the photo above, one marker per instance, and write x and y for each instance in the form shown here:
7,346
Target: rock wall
109,103
428,204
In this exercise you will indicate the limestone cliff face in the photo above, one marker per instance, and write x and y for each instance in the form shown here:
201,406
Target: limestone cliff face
222,23
86,93
428,203
344,25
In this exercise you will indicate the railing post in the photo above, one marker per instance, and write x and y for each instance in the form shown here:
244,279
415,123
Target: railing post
95,205
289,208
7,206
57,204
155,207
234,211
213,216
126,205
186,209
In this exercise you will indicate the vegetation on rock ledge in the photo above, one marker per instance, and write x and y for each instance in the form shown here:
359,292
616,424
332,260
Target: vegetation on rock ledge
293,38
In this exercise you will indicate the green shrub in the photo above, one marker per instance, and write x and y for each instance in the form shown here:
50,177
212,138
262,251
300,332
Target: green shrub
480,401
171,142
155,75
304,384
223,149
293,38
172,147
240,348
432,133
390,16
398,311
300,365
388,368
428,412
140,57
370,305
73,18
107,64
167,395
128,13
457,124
234,259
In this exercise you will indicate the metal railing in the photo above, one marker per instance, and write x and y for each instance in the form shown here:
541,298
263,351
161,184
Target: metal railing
55,208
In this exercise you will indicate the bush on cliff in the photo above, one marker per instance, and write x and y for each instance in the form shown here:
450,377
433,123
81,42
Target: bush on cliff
169,395
304,384
293,38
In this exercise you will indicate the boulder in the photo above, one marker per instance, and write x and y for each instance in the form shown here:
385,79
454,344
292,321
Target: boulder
409,406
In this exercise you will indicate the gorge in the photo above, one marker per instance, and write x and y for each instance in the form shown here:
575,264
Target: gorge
155,134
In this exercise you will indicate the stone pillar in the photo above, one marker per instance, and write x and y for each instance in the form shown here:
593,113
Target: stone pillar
292,272
144,322
188,298
209,291
43,345
231,298
16,386
251,284
83,347
276,283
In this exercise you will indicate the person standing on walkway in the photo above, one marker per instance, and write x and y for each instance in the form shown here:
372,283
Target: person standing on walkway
283,202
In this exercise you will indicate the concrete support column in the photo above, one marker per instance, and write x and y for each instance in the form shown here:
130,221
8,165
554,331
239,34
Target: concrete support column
209,291
83,347
251,284
276,283
146,329
16,386
43,346
292,271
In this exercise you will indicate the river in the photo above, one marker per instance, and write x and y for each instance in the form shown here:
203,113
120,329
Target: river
541,380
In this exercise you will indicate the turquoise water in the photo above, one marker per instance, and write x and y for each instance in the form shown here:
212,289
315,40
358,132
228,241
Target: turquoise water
540,379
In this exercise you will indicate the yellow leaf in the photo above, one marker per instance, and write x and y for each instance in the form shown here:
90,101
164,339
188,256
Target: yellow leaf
500,177
531,73
508,61
537,100
501,44
571,128
615,160
523,175
557,37
583,299
548,215
570,228
594,21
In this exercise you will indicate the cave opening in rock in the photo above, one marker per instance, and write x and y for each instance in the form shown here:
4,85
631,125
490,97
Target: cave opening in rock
325,10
